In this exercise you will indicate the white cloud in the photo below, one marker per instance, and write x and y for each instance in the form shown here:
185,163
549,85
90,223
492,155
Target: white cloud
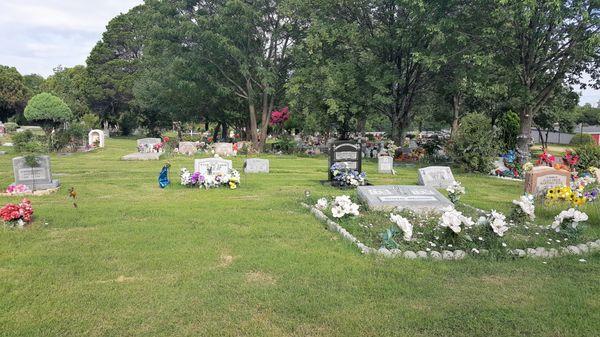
38,35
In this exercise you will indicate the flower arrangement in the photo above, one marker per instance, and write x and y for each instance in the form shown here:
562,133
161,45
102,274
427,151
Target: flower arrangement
568,220
17,215
404,225
343,206
546,159
566,194
18,189
496,222
514,169
455,191
231,179
346,177
523,209
571,158
322,204
453,220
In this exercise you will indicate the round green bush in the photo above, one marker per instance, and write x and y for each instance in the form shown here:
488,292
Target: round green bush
47,109
475,144
589,155
582,138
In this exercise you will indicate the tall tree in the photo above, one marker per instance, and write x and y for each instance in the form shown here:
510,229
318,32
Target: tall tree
71,85
13,92
546,44
33,82
114,64
245,48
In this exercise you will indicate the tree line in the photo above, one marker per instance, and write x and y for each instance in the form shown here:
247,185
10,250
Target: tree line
340,65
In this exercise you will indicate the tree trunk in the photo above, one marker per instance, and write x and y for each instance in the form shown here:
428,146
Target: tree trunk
456,102
525,135
224,132
216,132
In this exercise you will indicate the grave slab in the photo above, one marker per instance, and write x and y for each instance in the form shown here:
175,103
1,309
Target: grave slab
436,176
419,199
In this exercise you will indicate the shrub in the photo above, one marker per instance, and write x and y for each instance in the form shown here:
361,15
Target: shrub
475,145
589,155
285,144
27,142
90,121
582,138
10,127
69,138
509,130
47,109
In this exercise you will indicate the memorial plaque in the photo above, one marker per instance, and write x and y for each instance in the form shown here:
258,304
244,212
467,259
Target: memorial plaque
256,165
436,176
542,178
212,166
385,164
419,199
36,178
347,152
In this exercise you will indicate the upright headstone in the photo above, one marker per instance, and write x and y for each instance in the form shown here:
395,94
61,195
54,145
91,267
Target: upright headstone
148,144
256,165
542,178
96,138
385,164
188,148
347,152
36,178
212,166
436,176
2,129
419,199
224,149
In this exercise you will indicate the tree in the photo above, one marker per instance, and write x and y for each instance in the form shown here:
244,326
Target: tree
557,114
34,83
71,85
114,64
588,115
13,92
243,45
545,44
50,111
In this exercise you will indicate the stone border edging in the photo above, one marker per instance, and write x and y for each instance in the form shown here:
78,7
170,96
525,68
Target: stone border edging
539,252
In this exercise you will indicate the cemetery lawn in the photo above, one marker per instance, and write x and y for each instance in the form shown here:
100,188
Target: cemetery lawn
134,260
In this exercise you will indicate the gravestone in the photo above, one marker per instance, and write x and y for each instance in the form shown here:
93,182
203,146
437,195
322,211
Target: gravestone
96,137
256,165
436,176
419,199
385,164
212,166
347,152
188,148
224,149
147,144
2,129
142,156
542,178
36,178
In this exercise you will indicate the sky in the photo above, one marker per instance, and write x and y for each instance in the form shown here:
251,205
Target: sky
38,35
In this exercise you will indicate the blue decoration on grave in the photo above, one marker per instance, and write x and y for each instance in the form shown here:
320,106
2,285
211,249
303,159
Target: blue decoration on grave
163,177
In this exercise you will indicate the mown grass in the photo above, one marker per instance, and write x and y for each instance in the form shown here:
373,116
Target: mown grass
134,260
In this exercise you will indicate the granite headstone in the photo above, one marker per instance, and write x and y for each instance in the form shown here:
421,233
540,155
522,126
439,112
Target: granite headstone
436,176
542,178
212,166
256,165
419,199
36,178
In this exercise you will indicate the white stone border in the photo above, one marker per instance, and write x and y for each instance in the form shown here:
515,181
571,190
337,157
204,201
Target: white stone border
29,194
539,252
506,178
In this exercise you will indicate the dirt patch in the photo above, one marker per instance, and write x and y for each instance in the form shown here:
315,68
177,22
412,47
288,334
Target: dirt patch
260,278
225,260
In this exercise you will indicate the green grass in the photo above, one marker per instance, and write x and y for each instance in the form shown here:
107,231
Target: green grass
134,260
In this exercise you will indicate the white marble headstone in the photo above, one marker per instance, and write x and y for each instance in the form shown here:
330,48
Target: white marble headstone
436,176
385,164
419,199
212,166
256,165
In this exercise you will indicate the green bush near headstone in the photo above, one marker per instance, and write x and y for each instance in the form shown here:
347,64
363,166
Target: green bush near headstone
581,139
589,155
475,145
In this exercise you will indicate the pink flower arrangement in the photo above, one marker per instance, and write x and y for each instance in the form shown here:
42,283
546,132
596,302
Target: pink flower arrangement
13,212
17,189
280,117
